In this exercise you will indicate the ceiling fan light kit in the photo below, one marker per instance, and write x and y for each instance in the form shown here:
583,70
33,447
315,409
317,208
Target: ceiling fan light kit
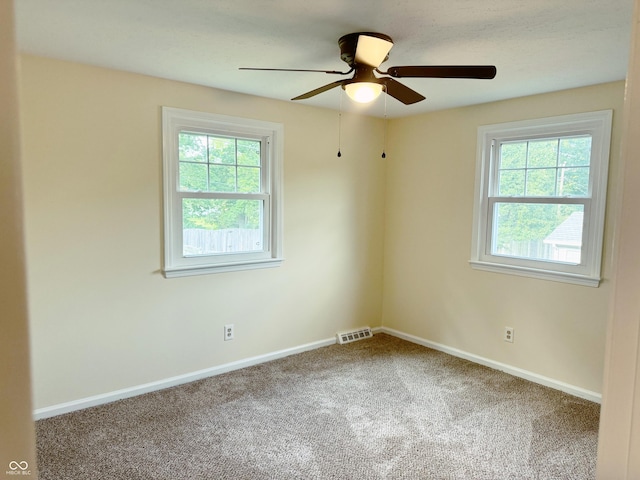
363,92
364,52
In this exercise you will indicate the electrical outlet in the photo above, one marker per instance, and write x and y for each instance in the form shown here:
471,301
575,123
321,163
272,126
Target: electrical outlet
228,332
508,334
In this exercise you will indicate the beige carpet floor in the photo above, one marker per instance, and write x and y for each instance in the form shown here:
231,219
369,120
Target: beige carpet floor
381,408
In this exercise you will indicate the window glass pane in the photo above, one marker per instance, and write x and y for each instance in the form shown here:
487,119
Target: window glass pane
248,179
550,232
217,226
223,178
193,177
542,153
249,152
513,155
557,167
222,150
541,182
511,183
192,147
575,152
573,181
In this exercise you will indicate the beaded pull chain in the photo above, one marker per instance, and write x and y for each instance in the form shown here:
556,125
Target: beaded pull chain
340,124
384,137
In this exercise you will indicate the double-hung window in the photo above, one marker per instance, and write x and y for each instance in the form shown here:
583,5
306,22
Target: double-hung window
222,193
540,197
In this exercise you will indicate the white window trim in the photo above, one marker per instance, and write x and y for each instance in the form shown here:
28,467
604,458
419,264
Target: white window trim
598,124
175,120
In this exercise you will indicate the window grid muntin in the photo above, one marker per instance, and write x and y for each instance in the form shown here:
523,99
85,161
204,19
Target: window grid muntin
260,167
496,184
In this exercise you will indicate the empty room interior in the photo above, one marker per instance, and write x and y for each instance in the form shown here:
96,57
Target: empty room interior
390,217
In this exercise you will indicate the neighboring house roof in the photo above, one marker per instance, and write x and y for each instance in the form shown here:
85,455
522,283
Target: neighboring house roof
568,233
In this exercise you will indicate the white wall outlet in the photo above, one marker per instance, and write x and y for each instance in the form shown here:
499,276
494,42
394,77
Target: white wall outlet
508,334
228,332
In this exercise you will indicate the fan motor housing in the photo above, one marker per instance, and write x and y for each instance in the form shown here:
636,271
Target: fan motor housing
348,44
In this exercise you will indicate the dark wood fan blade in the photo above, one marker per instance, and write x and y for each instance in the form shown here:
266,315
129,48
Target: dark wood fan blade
453,71
315,92
296,70
401,92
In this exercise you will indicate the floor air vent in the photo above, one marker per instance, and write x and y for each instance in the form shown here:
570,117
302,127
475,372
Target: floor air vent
353,335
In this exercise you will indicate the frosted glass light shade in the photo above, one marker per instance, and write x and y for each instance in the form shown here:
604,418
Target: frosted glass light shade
363,92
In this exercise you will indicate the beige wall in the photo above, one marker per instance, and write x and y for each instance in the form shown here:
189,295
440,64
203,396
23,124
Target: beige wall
103,317
619,441
16,424
430,290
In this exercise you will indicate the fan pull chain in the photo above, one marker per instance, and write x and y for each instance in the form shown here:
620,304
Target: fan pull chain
384,137
339,128
340,124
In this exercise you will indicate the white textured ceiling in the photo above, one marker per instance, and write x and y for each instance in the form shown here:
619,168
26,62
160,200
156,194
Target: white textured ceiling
537,45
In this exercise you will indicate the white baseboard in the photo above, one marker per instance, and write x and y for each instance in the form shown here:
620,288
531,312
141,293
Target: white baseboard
109,397
516,372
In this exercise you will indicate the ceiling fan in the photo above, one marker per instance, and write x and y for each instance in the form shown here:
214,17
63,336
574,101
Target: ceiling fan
364,52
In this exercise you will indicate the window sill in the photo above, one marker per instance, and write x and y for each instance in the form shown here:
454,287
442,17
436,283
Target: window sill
576,279
174,272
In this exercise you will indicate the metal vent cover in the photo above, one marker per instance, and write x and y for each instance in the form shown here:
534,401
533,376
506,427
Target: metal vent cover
354,335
